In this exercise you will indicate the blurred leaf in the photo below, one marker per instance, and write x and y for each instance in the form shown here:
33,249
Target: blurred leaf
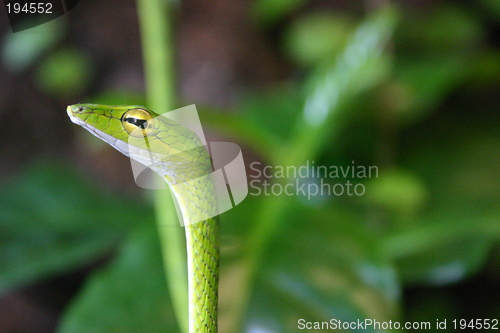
52,221
446,263
494,6
457,158
361,65
400,192
276,110
358,67
486,69
130,295
448,247
442,29
423,84
271,11
66,72
21,49
245,129
322,265
317,36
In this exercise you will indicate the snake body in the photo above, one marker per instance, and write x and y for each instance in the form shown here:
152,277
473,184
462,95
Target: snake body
175,153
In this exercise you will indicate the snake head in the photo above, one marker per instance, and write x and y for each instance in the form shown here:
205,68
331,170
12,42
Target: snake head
122,127
139,132
136,120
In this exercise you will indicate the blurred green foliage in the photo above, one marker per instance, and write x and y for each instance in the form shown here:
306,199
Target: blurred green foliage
64,73
317,36
65,225
402,97
269,12
23,49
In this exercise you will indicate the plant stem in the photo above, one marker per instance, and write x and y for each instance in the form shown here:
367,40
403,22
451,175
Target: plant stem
154,22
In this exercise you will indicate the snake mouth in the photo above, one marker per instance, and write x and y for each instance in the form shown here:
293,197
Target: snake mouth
75,120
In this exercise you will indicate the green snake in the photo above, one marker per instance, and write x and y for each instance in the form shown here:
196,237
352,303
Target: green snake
175,153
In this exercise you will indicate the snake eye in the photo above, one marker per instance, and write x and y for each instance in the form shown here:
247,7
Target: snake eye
136,119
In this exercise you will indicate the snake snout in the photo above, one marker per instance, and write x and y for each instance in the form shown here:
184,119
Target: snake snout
71,110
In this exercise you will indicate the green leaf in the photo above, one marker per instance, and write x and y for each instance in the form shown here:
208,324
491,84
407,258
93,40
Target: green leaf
52,221
400,192
359,66
321,265
443,29
66,72
247,129
271,11
317,36
494,6
457,156
448,247
129,295
275,110
421,85
450,239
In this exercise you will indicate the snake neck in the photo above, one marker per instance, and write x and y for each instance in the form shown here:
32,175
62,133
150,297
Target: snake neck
203,275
